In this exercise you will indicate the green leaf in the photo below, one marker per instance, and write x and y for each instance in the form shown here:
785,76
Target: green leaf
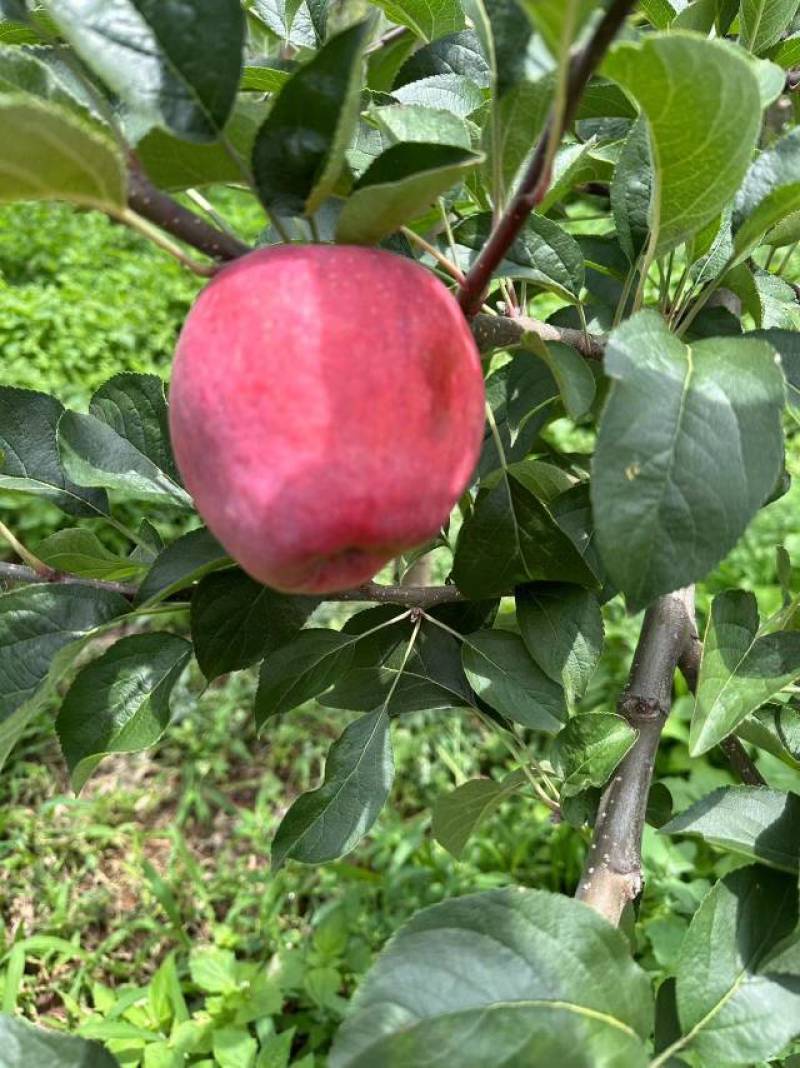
28,72
174,164
181,563
493,977
787,52
174,65
659,12
589,748
543,253
123,443
730,1012
427,18
301,670
79,551
740,669
52,153
327,822
517,120
562,628
29,459
456,53
298,153
457,814
511,537
237,622
501,671
689,448
751,821
50,623
576,383
787,344
413,122
762,22
769,194
398,186
24,1046
699,163
263,79
632,190
234,1047
291,20
558,21
214,970
446,92
120,702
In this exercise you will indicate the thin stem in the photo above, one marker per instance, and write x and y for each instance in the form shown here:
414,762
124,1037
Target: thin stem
624,296
208,209
312,225
39,566
521,759
498,442
409,648
446,265
152,233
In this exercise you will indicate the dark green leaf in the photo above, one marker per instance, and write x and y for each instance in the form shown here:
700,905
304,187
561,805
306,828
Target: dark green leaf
752,821
457,53
398,186
327,822
589,748
41,630
179,565
740,670
304,669
237,622
631,191
25,1046
516,122
29,459
671,495
562,628
730,1011
769,193
493,976
298,154
174,64
120,702
502,673
123,444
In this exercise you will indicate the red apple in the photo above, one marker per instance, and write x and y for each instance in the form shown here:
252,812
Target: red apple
327,411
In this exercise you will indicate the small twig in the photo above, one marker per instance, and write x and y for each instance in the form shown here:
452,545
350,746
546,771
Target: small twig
20,573
37,566
612,876
160,208
135,222
447,265
735,752
537,177
502,332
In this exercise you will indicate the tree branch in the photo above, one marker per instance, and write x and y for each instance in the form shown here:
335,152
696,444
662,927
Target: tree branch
500,332
537,177
406,596
736,754
160,208
612,875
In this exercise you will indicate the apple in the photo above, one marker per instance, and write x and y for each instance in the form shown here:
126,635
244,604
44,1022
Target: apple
326,411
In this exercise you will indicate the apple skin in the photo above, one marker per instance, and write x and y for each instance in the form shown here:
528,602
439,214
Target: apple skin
326,411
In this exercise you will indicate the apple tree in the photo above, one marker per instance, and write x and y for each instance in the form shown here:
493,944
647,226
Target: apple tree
640,374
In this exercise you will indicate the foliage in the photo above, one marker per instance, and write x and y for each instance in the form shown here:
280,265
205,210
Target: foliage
641,380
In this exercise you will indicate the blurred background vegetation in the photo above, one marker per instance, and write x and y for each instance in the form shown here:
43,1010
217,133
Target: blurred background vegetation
154,886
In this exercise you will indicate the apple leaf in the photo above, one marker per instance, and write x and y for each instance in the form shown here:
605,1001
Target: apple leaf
502,673
589,748
399,186
716,93
562,628
236,621
123,443
174,64
53,153
492,976
762,22
29,457
446,92
305,668
632,190
456,53
428,19
751,821
179,564
50,622
327,822
119,703
740,670
299,152
79,551
670,494
769,194
729,1009
24,1045
457,814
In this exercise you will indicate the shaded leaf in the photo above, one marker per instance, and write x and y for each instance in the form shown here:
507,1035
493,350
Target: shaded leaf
589,748
457,814
23,1046
301,670
181,563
